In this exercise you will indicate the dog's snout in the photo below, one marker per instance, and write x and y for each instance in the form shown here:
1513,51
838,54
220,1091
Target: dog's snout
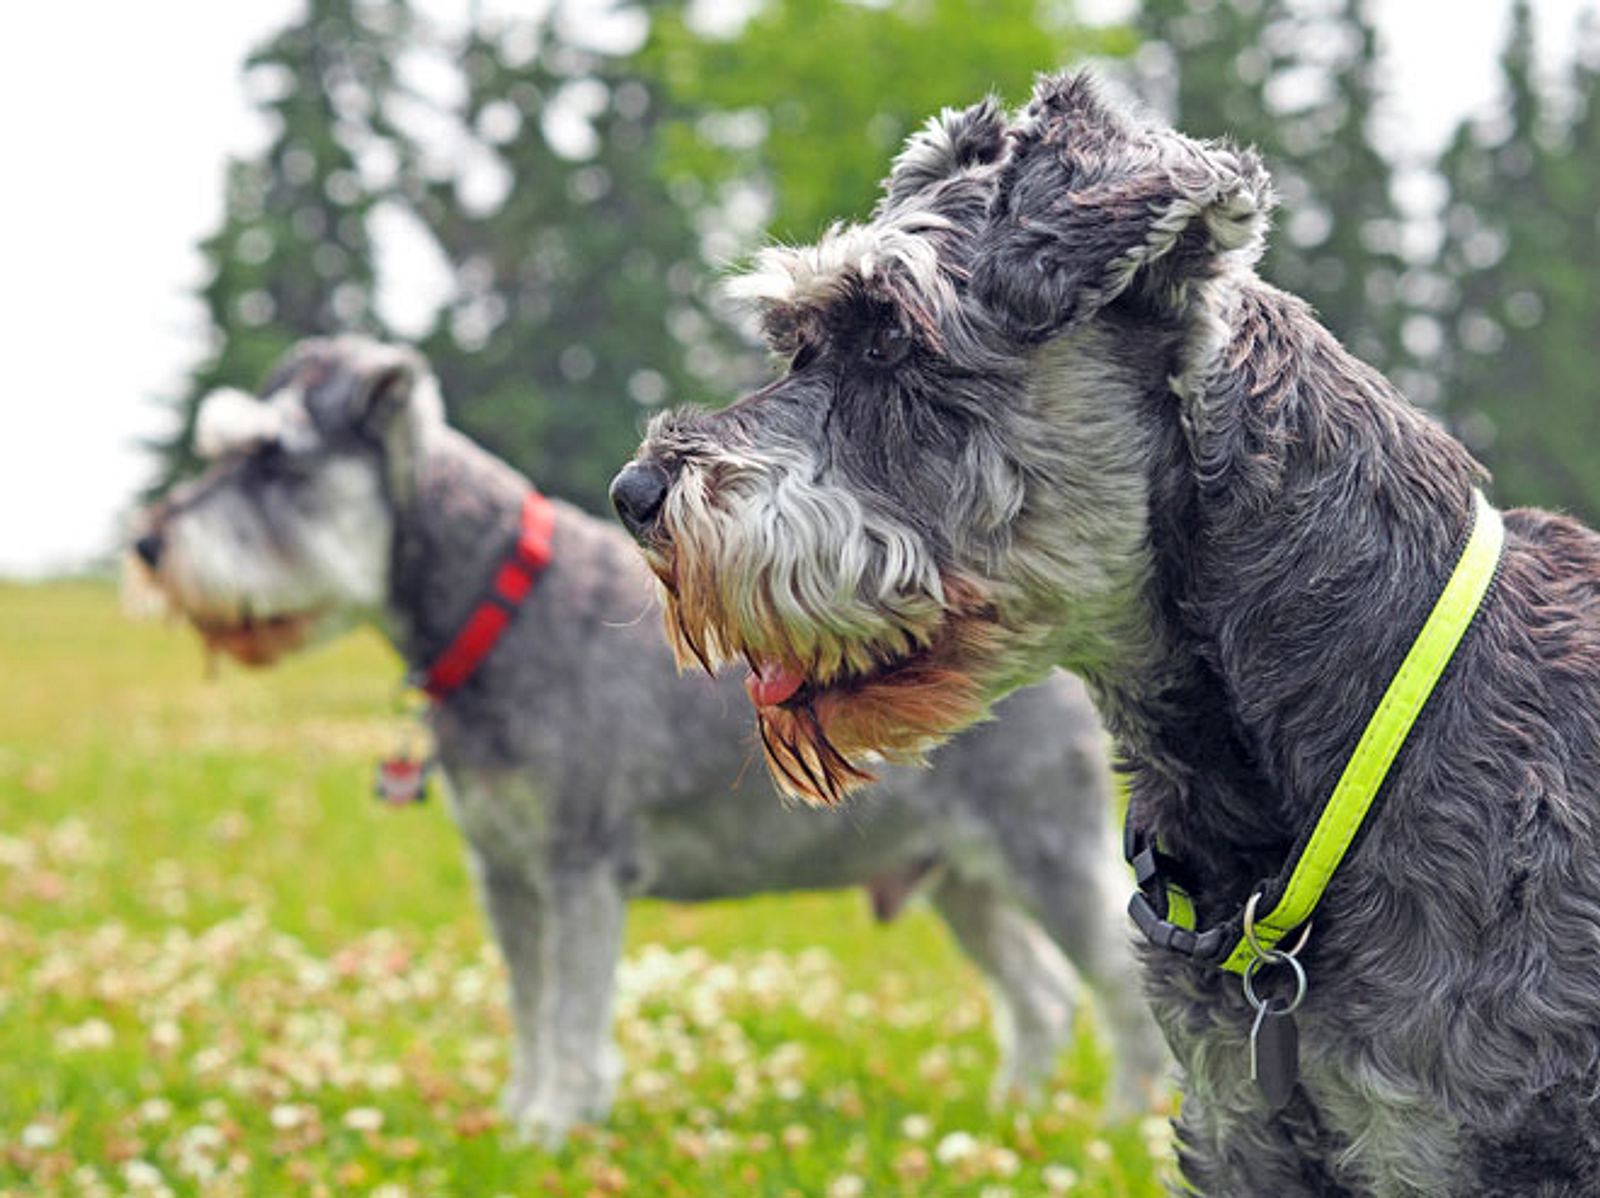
149,547
637,493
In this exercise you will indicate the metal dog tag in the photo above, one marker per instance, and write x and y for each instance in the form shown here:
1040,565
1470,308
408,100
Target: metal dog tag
1275,1052
401,781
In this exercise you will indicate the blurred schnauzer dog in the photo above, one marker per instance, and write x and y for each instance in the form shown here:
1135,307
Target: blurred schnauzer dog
583,770
1040,411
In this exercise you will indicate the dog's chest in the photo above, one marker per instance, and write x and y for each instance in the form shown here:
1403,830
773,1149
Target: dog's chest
1360,1132
501,812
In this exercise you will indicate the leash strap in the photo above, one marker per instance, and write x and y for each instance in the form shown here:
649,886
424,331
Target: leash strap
1162,908
513,582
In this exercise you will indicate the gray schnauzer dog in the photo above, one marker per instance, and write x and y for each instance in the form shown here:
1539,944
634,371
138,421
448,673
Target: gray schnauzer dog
1040,411
584,770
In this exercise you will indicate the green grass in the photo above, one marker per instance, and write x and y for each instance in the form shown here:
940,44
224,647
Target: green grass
214,947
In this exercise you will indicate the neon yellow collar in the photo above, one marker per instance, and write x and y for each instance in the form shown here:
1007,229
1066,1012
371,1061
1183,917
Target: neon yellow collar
1162,909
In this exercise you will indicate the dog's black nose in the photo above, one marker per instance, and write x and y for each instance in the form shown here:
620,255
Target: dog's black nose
637,494
148,547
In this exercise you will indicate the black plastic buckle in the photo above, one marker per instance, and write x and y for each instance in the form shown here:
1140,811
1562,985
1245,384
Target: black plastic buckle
1146,867
1153,870
1205,948
1160,932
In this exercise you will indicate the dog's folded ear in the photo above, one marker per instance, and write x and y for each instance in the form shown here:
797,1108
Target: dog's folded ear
388,379
394,404
956,140
1092,206
230,421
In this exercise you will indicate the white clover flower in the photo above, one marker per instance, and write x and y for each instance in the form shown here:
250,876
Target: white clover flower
17,854
650,1083
956,1147
363,1118
287,1116
88,1035
209,1059
143,1177
1059,1179
71,842
155,1110
166,1035
934,1066
846,1185
39,1135
916,1127
202,1138
1003,1162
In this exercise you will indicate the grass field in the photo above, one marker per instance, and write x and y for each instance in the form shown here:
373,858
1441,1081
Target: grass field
225,971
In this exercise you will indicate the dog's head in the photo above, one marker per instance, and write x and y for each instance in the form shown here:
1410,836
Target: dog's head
287,537
946,492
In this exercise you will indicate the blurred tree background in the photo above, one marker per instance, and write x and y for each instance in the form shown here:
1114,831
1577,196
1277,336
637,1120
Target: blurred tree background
294,255
580,180
1300,82
1520,311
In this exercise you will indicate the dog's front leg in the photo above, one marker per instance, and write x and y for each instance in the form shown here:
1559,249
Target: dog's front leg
514,900
1078,888
1032,988
560,930
579,943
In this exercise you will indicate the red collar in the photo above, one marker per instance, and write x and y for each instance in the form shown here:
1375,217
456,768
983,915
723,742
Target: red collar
513,582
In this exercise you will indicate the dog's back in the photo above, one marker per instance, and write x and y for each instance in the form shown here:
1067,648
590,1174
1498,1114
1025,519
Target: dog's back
585,703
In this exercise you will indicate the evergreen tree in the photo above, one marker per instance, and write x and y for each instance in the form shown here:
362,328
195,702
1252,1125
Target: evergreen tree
579,307
576,303
804,106
1520,257
293,256
1299,82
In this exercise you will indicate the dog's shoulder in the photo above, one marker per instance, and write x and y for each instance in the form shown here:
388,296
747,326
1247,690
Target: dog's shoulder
1564,545
1551,574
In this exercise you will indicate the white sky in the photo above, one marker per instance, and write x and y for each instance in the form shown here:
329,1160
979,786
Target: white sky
116,119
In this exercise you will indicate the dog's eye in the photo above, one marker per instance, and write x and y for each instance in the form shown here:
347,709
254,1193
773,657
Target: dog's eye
273,461
888,347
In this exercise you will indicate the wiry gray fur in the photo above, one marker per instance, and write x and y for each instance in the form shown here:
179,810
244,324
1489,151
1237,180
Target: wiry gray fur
1160,472
585,772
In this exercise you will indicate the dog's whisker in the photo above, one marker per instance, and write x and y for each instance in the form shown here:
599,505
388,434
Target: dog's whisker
652,604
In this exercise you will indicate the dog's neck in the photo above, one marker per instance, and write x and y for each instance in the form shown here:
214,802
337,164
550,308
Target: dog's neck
456,523
1304,518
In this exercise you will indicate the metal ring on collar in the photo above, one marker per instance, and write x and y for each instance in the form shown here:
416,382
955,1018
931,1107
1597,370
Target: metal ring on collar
1269,958
1256,946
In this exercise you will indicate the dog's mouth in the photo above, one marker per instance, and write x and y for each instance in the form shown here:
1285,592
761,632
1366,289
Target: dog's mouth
256,639
820,734
772,683
830,703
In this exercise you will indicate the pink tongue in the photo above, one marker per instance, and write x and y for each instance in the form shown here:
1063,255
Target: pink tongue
771,684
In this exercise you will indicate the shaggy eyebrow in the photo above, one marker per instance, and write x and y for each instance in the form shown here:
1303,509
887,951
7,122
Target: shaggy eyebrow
787,326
